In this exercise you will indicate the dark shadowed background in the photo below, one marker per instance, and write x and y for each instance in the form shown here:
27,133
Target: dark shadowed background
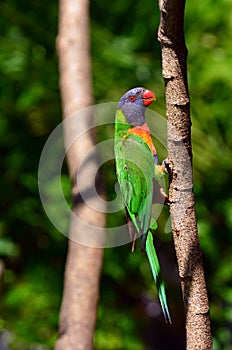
125,53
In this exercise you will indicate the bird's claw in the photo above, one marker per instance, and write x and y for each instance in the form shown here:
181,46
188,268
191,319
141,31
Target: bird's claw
166,166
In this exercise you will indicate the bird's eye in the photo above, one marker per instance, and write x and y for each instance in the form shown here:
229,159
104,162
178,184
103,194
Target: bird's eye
132,98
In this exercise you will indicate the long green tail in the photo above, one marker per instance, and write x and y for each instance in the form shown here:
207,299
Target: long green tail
155,268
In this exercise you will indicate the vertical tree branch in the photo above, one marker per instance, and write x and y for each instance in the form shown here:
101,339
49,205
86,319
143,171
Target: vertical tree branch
83,267
182,209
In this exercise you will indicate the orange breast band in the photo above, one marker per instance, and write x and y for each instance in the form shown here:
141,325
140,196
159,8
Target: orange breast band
144,132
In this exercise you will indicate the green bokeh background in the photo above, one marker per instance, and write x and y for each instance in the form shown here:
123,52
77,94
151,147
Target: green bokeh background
125,53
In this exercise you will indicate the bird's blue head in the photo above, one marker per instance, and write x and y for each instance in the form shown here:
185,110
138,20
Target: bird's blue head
133,104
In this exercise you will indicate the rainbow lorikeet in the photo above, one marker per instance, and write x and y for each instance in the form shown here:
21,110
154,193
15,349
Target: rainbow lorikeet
137,172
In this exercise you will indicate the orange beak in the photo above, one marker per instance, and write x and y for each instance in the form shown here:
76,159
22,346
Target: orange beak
148,97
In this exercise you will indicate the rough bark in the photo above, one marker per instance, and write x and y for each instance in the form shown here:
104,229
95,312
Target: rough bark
182,208
83,267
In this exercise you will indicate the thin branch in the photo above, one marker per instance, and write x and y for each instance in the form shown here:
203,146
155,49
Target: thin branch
182,208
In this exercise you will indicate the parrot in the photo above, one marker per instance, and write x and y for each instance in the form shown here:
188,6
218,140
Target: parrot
138,173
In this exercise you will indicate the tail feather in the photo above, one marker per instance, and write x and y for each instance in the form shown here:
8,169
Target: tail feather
132,230
143,240
155,268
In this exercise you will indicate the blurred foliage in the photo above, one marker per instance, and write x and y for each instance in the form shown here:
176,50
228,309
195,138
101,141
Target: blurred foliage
125,53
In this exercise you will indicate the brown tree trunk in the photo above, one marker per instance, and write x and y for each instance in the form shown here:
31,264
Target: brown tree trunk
83,267
182,209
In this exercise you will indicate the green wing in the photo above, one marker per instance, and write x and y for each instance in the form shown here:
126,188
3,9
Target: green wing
136,172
